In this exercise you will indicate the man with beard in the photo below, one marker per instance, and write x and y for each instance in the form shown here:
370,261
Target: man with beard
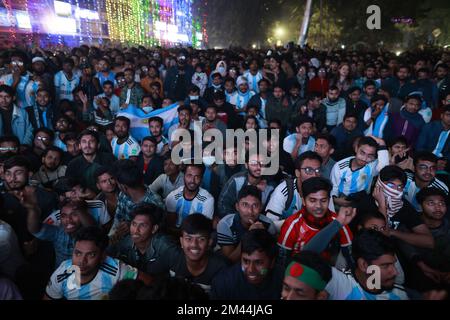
43,139
105,73
257,276
151,164
123,145
424,176
401,85
84,166
212,122
109,192
132,93
73,147
13,119
63,125
178,80
260,99
225,111
74,215
66,81
38,66
353,175
145,247
155,125
277,107
41,114
51,170
253,75
184,118
216,86
98,273
301,227
189,199
335,108
108,92
253,176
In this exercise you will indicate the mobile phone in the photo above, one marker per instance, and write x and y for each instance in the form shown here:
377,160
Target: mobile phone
399,159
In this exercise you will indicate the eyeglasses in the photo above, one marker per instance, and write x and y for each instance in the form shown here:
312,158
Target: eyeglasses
377,228
309,170
42,138
394,186
17,63
255,163
423,167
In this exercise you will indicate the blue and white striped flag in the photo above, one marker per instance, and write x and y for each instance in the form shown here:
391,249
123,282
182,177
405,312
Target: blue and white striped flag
139,119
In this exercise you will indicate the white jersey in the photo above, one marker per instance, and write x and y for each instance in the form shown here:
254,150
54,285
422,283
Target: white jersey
130,148
289,144
411,189
253,80
343,286
231,98
276,207
165,186
64,86
159,147
96,208
63,282
202,203
345,181
25,90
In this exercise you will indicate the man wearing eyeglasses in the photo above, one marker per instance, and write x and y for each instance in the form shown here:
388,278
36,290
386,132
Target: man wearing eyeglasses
425,166
253,176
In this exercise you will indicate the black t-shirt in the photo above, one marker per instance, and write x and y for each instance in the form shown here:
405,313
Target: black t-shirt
7,119
176,265
231,284
406,218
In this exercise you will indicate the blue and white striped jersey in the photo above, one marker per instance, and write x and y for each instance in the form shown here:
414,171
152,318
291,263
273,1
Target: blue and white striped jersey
130,148
25,90
345,181
97,209
344,286
231,98
290,140
253,80
202,203
64,86
411,189
64,283
101,78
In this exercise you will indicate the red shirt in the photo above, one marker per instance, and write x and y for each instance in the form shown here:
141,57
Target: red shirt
296,233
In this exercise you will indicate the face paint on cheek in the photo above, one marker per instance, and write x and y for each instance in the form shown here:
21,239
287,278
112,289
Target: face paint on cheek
263,271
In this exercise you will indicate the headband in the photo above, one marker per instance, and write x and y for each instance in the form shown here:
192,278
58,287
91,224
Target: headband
305,274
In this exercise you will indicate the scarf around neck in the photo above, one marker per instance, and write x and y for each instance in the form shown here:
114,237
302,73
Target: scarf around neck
394,201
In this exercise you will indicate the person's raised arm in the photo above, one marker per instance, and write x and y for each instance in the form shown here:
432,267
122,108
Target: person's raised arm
29,201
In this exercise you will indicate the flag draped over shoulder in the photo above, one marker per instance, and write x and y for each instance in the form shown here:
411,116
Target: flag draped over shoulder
139,119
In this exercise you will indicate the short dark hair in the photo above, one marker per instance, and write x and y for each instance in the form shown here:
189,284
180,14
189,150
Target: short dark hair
398,139
200,166
369,83
47,131
311,155
423,194
249,191
393,172
183,107
424,156
101,171
351,114
314,261
259,240
89,133
108,82
197,223
369,141
303,119
333,88
69,61
13,139
370,245
94,234
157,119
54,149
330,139
151,139
370,214
17,161
153,212
9,90
316,184
124,119
128,173
65,184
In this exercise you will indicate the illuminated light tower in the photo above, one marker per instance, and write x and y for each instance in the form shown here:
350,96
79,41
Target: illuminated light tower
305,25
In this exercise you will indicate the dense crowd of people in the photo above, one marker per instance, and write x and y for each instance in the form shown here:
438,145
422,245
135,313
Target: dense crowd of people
357,210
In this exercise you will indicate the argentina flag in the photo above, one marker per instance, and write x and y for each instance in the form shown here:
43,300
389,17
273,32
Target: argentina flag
139,119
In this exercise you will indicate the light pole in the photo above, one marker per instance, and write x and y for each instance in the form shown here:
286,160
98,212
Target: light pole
305,25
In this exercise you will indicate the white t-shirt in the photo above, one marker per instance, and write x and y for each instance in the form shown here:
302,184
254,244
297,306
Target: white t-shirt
63,282
202,203
97,209
130,148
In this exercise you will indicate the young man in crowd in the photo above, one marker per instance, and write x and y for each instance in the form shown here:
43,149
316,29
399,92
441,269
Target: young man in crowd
124,146
151,164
